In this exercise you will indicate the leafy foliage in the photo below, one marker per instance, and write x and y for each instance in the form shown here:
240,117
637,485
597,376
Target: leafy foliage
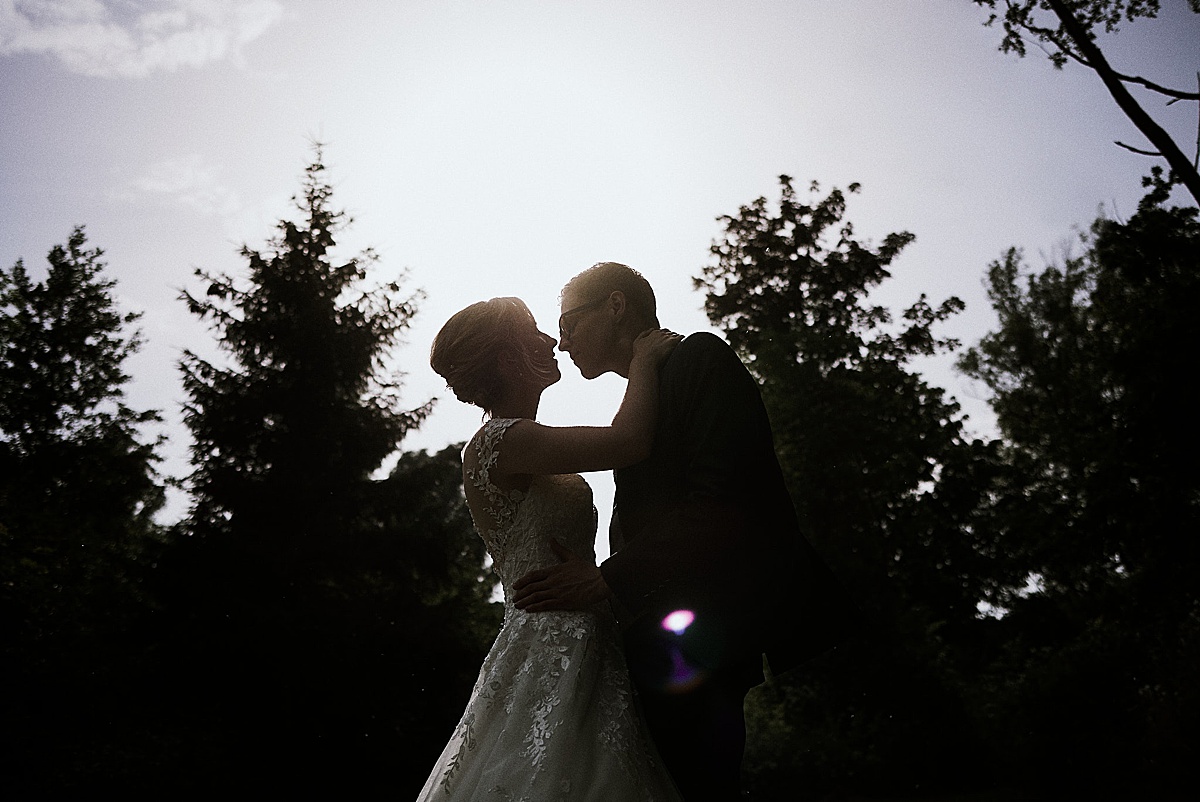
882,477
1025,17
316,622
861,437
1101,493
1077,526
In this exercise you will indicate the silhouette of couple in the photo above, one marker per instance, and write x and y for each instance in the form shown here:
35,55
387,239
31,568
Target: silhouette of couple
708,571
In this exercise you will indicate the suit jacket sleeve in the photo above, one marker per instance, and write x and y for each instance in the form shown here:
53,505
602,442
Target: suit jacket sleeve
713,441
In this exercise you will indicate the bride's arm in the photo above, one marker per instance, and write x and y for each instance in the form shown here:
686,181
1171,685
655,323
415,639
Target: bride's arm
532,448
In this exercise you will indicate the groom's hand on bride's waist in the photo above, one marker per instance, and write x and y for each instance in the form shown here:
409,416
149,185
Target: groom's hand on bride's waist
573,584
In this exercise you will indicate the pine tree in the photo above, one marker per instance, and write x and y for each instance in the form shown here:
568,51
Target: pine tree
78,540
79,488
355,608
287,435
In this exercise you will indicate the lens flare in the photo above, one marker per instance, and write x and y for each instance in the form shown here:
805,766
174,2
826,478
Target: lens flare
678,621
684,676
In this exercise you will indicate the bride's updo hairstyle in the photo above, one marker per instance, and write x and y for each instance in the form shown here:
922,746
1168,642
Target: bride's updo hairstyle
466,352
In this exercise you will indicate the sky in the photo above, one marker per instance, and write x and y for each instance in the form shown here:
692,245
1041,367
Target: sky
498,148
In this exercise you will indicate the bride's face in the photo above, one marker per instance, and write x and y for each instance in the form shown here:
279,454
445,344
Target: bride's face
543,364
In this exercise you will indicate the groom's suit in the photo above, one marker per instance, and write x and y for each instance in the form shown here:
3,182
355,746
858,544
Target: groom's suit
706,521
706,524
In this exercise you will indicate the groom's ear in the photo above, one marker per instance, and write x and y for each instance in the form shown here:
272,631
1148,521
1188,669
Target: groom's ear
616,305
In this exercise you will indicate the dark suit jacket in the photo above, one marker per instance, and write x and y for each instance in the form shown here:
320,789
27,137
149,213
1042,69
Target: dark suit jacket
706,522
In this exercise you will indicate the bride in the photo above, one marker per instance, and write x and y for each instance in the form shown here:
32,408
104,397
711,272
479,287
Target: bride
552,714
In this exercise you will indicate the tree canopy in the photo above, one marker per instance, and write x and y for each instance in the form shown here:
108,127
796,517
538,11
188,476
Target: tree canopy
1035,617
304,413
884,481
1098,502
316,621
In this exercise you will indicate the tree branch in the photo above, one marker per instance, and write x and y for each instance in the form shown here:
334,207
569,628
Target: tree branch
1121,144
1064,49
1174,94
1179,163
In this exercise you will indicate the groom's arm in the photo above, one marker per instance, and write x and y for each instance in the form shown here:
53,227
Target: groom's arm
573,584
710,396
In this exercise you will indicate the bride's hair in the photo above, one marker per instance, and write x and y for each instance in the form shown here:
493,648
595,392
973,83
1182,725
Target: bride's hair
466,351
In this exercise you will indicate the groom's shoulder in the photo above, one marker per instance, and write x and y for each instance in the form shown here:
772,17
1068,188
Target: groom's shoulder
702,358
703,347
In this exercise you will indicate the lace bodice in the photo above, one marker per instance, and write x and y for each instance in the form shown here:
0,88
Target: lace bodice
525,521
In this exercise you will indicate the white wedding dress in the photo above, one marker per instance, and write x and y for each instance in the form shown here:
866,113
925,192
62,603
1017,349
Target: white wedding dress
552,715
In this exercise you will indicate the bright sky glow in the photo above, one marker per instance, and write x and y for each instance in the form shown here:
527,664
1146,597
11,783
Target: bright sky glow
498,148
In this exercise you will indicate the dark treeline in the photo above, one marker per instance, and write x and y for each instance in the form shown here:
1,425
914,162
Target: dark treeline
1037,619
307,626
314,625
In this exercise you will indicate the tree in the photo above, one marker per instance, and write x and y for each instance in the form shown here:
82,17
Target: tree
363,598
1071,37
1099,500
287,436
78,494
884,482
79,488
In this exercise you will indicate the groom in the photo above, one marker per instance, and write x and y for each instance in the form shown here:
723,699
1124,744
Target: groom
708,570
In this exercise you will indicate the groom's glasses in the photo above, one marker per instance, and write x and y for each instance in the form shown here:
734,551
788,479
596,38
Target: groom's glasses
566,328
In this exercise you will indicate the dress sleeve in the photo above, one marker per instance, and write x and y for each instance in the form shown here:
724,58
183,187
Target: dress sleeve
486,446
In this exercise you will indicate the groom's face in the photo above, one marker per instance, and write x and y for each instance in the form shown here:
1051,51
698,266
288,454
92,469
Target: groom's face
583,333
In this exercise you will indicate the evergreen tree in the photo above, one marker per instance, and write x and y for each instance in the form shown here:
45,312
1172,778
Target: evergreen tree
355,608
286,436
79,488
78,492
884,481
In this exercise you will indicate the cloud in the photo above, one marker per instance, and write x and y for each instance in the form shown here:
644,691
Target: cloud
190,182
131,38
